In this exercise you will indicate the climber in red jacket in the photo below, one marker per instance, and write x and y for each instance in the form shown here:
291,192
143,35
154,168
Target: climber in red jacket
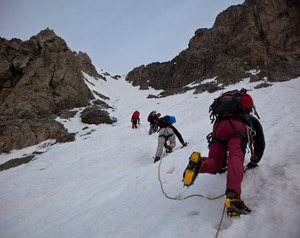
135,119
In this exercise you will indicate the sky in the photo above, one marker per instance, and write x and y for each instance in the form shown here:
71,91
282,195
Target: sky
105,184
118,35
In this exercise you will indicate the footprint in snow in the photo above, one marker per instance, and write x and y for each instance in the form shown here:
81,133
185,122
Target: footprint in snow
170,170
192,213
227,222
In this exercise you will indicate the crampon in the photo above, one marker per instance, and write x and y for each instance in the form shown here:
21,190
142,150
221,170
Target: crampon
192,169
236,207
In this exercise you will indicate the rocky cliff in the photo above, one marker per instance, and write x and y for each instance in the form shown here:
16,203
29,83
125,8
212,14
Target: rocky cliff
39,79
260,35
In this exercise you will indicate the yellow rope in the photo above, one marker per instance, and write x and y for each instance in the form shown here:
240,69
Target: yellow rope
199,195
221,221
161,186
194,195
174,198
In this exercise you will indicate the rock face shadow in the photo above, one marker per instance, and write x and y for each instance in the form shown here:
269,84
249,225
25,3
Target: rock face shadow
19,161
16,162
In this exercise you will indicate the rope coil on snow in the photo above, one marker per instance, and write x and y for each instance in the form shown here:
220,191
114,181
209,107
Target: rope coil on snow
194,195
174,198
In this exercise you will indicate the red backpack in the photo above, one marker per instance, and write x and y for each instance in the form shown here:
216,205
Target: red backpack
233,102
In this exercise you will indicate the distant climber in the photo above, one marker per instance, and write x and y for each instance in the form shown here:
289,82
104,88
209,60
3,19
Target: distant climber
135,119
166,137
153,119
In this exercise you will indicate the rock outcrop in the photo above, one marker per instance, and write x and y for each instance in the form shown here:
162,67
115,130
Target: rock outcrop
95,115
260,35
39,78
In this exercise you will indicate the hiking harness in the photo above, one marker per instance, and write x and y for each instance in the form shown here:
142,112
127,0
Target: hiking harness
250,132
166,136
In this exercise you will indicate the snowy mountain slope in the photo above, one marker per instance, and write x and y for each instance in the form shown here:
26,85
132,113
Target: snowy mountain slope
105,184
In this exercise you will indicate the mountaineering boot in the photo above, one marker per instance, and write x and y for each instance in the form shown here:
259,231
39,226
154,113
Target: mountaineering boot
184,144
169,149
235,206
157,158
192,169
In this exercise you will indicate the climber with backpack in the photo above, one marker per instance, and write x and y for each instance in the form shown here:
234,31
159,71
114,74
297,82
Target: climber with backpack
135,118
232,130
153,119
256,146
166,136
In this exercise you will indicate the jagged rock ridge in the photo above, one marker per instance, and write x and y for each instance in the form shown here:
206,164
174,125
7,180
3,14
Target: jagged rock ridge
39,79
259,34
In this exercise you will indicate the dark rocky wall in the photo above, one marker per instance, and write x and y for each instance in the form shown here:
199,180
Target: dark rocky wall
259,34
39,78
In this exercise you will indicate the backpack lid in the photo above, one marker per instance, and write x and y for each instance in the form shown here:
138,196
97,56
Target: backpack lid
166,121
171,119
231,103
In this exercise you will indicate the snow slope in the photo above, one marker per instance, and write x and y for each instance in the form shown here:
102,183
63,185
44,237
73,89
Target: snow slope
105,183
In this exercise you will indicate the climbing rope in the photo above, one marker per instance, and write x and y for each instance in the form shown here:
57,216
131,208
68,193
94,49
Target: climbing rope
174,198
199,195
194,195
161,186
221,221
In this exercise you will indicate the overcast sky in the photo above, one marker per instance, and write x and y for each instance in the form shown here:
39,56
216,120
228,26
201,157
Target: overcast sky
118,35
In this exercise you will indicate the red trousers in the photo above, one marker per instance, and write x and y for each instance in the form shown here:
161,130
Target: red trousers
233,132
